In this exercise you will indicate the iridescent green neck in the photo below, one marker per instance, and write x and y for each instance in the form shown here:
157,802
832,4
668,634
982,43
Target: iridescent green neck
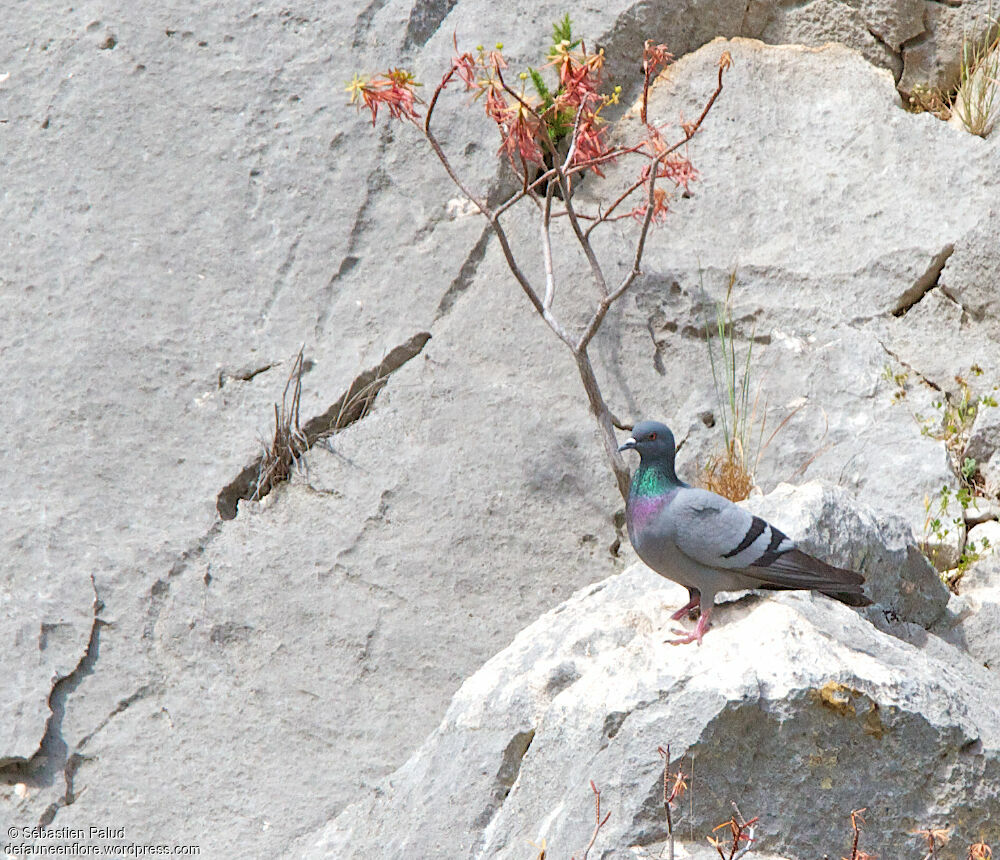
653,480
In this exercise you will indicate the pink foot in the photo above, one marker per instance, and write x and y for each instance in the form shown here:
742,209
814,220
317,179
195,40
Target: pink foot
696,636
684,610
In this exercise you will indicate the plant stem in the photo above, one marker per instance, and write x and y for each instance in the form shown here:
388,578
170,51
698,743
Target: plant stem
605,423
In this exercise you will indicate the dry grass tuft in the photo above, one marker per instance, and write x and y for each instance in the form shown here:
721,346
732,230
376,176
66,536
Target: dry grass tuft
727,475
977,101
289,442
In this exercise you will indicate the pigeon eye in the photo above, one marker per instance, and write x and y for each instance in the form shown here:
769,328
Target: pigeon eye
652,437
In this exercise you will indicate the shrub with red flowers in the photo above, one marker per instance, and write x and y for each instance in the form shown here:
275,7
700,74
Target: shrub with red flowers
552,134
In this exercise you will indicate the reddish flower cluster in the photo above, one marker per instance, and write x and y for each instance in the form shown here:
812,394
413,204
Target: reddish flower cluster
531,125
542,124
394,91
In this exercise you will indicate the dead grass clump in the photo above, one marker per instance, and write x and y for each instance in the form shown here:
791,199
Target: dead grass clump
977,101
289,442
727,475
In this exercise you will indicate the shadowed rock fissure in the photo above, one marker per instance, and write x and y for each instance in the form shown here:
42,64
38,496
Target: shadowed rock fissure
350,407
53,756
465,275
243,375
507,773
930,383
425,18
160,588
925,283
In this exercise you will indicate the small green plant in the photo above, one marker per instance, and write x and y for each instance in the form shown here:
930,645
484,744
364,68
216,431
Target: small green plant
969,469
956,417
977,100
937,525
742,418
731,472
937,528
898,379
557,116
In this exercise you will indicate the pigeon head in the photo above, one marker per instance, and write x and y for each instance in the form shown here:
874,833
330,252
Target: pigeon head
652,440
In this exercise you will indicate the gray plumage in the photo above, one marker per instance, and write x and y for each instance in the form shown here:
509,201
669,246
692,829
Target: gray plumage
709,544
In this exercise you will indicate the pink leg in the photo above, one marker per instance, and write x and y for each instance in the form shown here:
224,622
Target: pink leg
684,610
699,631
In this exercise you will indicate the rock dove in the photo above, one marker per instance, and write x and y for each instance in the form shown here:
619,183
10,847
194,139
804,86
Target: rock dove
709,544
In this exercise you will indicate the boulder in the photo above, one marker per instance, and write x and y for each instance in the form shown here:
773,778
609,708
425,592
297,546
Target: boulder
795,708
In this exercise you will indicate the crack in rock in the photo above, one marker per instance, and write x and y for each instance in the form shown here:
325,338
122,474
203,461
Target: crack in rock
349,408
280,281
928,382
374,182
897,53
463,280
160,588
425,18
52,755
244,374
507,773
925,283
364,21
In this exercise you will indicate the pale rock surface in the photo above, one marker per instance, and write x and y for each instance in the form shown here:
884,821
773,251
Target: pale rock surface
191,203
984,443
981,510
794,707
985,537
838,304
972,621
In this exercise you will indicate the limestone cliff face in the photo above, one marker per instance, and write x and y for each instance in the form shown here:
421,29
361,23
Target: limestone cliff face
186,200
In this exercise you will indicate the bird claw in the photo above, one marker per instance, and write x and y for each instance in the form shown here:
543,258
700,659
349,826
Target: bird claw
685,638
696,635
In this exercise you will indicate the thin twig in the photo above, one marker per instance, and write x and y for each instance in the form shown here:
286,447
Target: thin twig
750,827
550,278
856,816
574,138
640,247
668,797
598,821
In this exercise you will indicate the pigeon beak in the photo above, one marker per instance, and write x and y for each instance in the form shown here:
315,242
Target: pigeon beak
627,445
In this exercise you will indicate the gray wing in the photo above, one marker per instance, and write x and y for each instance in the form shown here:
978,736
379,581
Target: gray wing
715,532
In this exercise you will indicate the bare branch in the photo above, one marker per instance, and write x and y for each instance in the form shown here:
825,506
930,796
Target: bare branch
573,138
598,821
668,797
604,158
603,417
562,172
603,308
550,278
439,152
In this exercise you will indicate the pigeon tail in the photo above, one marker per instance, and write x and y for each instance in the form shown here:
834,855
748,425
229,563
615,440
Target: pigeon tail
795,569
